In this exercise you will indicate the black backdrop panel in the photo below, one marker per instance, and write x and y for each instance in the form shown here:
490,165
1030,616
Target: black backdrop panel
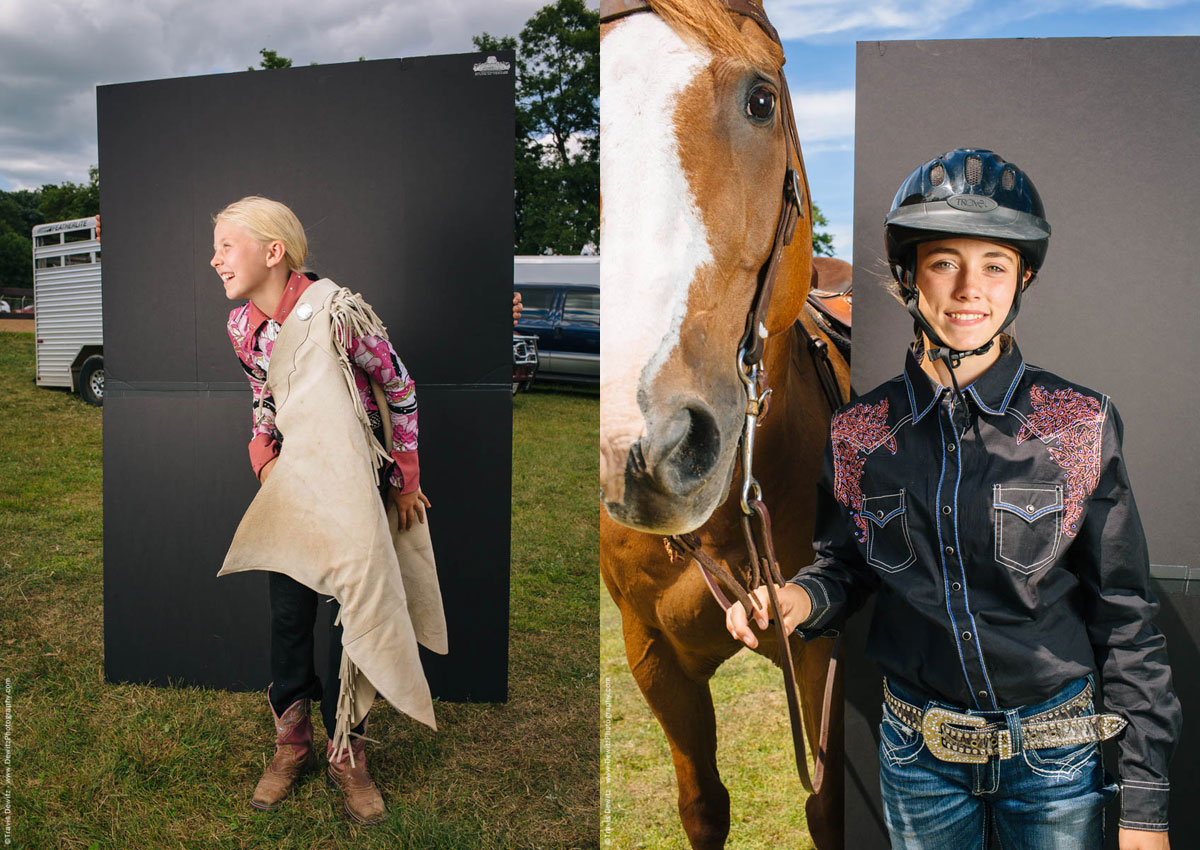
1104,127
402,173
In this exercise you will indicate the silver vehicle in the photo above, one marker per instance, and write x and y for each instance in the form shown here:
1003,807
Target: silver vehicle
68,322
525,362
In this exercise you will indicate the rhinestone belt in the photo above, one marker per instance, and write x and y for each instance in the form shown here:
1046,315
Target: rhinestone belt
970,739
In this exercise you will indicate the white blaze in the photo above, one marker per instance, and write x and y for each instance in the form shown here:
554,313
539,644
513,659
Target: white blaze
652,238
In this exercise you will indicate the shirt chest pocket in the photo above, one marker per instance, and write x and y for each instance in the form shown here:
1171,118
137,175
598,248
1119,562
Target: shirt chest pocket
888,544
1028,525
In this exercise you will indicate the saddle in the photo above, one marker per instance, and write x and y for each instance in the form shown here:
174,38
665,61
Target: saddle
830,301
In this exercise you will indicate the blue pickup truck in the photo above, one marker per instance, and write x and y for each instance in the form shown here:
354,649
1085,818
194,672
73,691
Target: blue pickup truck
561,307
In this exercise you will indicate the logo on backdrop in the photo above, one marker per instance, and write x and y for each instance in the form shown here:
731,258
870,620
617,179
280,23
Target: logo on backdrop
972,203
491,67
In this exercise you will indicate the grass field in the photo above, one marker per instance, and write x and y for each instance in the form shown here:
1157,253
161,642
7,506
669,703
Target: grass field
98,765
754,756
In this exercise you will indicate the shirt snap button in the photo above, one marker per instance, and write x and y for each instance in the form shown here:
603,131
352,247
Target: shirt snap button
1029,508
966,635
949,550
879,514
946,509
956,586
983,693
949,447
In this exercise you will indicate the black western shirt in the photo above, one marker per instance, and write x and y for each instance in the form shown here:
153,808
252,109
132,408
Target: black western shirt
1004,543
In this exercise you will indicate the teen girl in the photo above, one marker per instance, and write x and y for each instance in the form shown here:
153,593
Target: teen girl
987,502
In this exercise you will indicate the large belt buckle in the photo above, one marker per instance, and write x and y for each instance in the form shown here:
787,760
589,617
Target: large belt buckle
931,729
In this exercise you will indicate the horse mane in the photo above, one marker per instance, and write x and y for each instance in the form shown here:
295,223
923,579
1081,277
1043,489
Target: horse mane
709,23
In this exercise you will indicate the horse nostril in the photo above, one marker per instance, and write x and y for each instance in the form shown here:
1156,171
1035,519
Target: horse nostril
636,465
679,451
694,455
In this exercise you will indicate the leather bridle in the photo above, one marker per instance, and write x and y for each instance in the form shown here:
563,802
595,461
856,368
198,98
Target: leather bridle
760,546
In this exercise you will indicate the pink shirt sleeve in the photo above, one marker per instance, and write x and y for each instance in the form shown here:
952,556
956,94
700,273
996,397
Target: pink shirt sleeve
377,358
264,439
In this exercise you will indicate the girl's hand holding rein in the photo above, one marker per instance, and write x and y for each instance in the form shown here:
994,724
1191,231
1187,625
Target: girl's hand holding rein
794,603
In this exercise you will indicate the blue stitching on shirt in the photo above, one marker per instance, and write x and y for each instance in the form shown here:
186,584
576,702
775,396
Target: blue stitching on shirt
912,400
881,522
1007,396
1012,388
979,401
1024,514
945,574
917,417
963,571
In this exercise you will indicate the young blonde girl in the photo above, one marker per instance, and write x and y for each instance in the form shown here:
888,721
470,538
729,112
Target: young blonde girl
259,252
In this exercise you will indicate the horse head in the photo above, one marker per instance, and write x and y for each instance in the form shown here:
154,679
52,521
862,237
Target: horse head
695,129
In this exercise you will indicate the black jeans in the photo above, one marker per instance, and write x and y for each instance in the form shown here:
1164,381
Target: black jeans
294,609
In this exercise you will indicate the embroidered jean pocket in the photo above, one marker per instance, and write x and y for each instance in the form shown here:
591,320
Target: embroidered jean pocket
898,744
1028,525
888,545
1062,762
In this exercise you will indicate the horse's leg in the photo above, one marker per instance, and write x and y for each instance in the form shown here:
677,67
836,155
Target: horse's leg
684,708
824,810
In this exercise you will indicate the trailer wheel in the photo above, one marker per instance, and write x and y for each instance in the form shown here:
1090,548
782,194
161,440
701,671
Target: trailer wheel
91,380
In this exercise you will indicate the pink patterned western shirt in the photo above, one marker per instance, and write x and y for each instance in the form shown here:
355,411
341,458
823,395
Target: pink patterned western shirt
253,335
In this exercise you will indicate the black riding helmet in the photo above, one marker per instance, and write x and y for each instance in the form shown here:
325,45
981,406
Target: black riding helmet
967,192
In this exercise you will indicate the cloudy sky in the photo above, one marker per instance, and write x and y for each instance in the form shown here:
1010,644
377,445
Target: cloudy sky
819,40
53,53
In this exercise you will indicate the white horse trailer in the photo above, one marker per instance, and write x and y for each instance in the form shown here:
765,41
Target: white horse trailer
67,319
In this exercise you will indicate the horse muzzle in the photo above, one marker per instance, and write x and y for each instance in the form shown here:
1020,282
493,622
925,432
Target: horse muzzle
668,483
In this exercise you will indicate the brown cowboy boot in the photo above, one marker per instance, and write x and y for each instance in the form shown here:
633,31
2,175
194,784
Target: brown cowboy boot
363,803
294,755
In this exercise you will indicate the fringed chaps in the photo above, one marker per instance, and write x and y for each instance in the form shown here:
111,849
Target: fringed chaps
318,518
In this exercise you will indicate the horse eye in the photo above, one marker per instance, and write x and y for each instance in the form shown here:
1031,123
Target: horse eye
761,103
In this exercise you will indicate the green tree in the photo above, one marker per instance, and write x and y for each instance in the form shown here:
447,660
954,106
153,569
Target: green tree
71,200
557,167
20,211
822,239
16,269
272,61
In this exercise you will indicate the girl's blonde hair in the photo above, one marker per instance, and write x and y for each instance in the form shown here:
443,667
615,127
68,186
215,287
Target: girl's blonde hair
268,221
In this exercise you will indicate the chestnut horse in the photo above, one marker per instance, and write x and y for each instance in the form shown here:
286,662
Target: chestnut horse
693,156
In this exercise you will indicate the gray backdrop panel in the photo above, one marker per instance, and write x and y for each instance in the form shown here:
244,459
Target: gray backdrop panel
1106,128
402,172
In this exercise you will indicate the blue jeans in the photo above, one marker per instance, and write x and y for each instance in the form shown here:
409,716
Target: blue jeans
1050,799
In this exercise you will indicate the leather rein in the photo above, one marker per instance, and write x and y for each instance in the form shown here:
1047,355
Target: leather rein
760,546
